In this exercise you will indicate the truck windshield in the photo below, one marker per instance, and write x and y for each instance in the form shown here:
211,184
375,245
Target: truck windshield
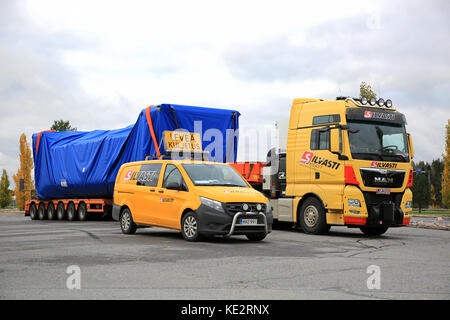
378,141
213,175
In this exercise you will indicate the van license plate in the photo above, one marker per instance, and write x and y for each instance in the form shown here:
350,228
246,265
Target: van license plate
248,221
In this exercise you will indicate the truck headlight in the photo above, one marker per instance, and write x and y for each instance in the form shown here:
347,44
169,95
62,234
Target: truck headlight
408,205
354,203
216,205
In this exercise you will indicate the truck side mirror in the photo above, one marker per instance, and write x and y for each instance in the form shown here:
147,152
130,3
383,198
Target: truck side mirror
411,147
335,140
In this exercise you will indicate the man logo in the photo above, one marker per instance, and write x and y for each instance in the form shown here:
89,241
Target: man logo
368,114
306,157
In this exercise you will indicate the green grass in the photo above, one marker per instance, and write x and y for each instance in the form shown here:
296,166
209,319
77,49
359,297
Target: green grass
432,212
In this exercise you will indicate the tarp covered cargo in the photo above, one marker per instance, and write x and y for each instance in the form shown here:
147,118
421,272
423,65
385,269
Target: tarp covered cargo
75,164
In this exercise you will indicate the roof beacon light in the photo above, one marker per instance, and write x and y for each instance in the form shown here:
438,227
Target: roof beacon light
381,102
372,101
389,103
364,100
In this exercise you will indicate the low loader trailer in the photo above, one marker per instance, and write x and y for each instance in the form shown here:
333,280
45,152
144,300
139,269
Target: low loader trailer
75,171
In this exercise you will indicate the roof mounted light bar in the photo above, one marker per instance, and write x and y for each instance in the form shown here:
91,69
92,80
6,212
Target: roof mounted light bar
364,102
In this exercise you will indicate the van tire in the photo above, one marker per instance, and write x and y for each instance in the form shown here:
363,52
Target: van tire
60,211
127,224
33,211
312,217
71,212
373,231
256,236
190,227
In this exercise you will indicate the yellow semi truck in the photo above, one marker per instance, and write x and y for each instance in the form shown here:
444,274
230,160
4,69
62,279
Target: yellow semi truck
344,162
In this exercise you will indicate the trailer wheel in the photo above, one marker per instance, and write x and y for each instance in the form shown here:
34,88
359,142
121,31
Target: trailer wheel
51,213
373,231
126,222
71,212
189,227
42,214
60,211
256,236
33,211
83,215
313,217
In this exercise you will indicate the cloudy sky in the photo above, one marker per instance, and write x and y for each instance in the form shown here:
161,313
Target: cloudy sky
98,63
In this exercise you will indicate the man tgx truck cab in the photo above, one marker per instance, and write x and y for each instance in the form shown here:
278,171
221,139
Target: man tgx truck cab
195,197
347,162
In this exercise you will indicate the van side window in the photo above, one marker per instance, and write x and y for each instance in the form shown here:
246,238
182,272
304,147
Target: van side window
148,175
331,118
172,174
320,140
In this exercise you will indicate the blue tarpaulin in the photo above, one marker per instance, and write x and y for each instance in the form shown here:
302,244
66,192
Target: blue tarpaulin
75,164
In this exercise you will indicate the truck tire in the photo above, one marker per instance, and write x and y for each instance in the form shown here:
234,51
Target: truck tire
256,236
312,217
60,211
51,213
42,214
127,224
189,227
71,212
373,231
33,211
83,215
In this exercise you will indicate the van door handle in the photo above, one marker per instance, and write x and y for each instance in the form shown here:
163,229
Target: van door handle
152,190
161,191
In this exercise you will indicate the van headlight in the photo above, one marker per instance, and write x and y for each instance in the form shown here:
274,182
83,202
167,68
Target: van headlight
408,205
216,205
354,203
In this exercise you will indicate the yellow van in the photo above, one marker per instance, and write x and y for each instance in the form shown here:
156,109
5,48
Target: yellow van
198,198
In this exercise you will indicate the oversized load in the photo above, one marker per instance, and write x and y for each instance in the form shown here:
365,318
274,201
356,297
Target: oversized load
76,165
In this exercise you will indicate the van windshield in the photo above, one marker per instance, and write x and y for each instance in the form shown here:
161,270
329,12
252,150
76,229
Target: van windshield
203,174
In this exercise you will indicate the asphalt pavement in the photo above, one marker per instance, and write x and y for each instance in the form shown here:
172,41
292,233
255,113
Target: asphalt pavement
52,259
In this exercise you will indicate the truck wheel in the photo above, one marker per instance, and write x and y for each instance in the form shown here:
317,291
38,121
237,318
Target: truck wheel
83,215
71,213
373,231
189,227
33,211
60,211
256,236
126,222
41,212
313,218
51,213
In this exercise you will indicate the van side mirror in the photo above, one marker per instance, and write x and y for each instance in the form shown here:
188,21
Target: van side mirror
411,147
174,186
335,140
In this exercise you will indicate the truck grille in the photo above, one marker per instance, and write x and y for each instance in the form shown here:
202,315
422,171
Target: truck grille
383,178
233,208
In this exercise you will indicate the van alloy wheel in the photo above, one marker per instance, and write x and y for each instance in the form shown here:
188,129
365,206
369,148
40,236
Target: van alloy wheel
190,226
127,224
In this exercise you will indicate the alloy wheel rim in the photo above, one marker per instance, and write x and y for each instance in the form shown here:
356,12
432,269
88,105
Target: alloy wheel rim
190,226
311,216
126,221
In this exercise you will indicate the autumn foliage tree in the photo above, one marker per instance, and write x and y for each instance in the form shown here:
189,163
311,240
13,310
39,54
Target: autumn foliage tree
446,175
365,90
24,172
5,193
